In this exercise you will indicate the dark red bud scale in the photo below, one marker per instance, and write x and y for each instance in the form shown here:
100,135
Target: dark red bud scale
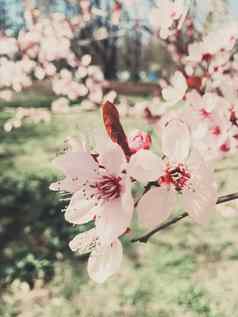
114,128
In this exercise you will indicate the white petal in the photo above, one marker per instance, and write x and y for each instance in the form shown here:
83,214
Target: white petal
200,200
156,206
176,92
113,159
112,220
179,81
105,261
77,164
80,210
84,242
145,166
126,198
169,94
65,185
176,141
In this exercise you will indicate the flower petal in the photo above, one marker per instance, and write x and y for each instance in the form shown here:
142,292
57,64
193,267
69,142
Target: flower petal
112,220
105,261
84,242
65,185
145,166
126,196
80,210
200,199
113,158
77,164
155,206
176,141
176,92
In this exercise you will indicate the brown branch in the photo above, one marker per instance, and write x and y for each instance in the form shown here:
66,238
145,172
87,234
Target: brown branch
131,88
144,238
224,169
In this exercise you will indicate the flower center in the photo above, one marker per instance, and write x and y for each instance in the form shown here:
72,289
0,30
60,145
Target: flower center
216,130
178,177
205,114
108,187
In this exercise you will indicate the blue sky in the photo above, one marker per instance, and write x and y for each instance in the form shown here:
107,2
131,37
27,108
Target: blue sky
234,6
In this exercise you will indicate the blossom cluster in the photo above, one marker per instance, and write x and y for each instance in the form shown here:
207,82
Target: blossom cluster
203,89
36,55
22,115
100,181
168,16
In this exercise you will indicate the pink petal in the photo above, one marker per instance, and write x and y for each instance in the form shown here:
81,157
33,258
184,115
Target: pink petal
176,92
80,210
126,198
113,158
156,206
79,165
105,261
176,141
65,185
200,200
84,242
113,218
145,166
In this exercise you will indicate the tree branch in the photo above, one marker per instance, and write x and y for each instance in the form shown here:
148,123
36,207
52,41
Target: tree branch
223,169
144,238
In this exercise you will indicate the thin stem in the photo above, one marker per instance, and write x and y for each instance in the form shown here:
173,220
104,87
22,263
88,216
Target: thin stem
144,238
224,169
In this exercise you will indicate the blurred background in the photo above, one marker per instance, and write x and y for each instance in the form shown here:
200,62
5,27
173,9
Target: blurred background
59,60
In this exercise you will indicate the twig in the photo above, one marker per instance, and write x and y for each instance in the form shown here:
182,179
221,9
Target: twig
223,169
148,235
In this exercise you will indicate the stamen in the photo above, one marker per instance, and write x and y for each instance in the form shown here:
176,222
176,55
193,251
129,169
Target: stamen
177,177
108,187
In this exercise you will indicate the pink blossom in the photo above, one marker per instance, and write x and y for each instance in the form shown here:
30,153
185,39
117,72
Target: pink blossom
100,188
182,173
138,140
40,73
166,14
60,105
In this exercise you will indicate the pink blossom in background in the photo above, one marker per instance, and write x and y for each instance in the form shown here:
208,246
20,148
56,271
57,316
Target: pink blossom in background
35,53
60,105
166,14
174,93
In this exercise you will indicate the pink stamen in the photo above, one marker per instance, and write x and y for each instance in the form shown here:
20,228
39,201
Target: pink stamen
225,147
216,130
108,187
178,177
205,114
